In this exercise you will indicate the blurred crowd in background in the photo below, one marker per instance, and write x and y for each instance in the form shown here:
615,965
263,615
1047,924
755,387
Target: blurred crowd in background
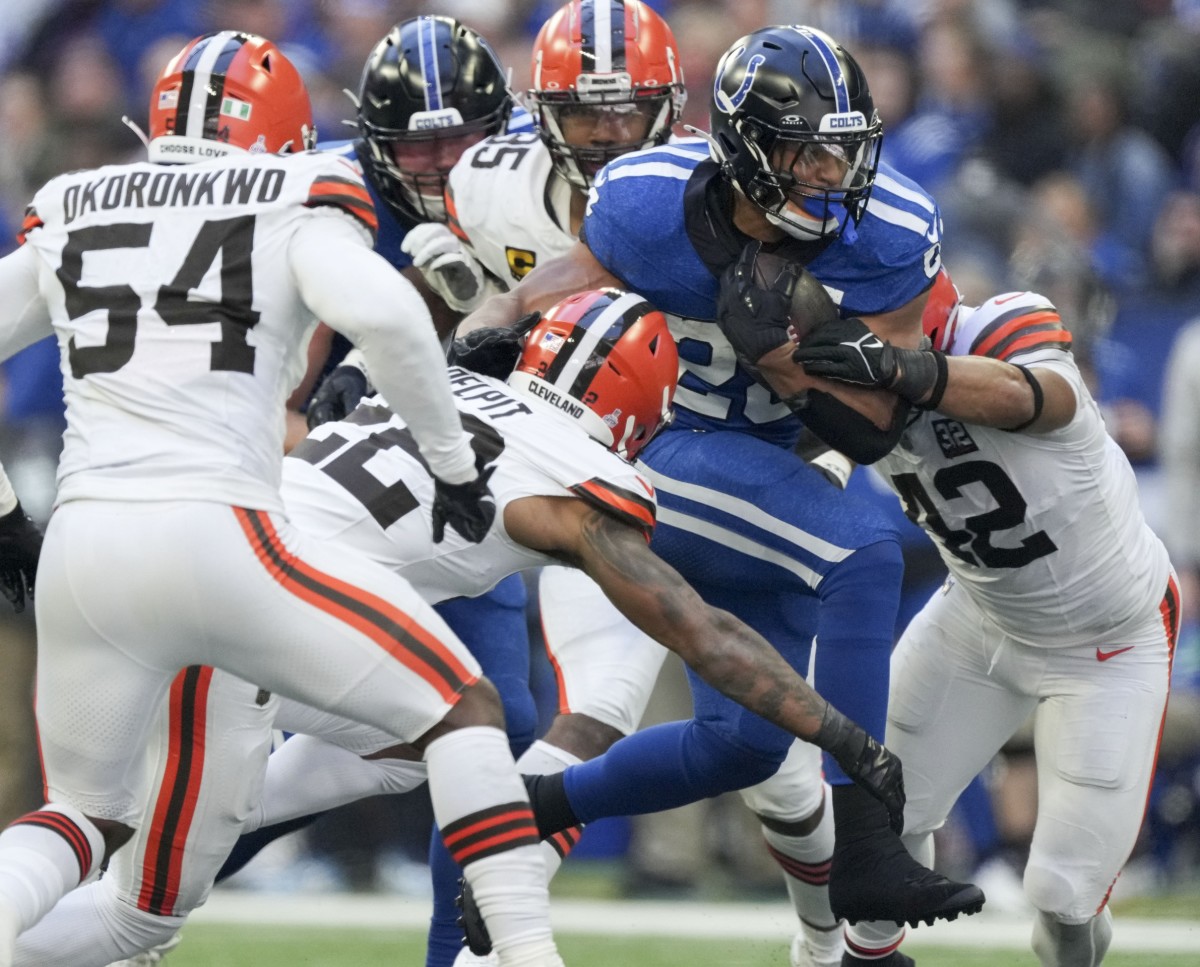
1061,139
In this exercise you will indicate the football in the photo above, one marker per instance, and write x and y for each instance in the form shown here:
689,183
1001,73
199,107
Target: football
810,303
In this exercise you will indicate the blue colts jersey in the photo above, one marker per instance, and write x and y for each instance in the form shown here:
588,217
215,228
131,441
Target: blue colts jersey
645,224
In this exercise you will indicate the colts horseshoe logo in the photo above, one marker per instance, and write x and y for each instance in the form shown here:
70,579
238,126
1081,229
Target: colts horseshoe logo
728,103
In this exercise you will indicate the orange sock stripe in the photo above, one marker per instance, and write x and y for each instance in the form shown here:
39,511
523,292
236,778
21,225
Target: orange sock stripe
485,821
500,843
74,837
814,874
565,840
394,630
873,953
175,802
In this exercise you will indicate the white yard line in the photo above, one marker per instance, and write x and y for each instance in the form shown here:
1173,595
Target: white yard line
651,918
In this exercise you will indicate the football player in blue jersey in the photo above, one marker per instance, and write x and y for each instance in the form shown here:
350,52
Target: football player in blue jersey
430,89
792,161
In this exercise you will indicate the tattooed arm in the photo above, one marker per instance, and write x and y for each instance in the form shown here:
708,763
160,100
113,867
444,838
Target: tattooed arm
721,649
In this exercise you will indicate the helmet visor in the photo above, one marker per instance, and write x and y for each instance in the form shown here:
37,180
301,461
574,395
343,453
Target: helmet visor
584,136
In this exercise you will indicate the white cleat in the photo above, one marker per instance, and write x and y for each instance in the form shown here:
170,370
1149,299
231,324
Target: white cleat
805,954
153,956
467,959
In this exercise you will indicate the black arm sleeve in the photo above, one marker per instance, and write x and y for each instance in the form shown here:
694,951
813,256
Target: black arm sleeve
847,430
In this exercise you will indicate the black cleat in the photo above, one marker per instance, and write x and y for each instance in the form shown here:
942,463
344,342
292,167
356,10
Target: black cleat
873,877
894,959
877,880
478,940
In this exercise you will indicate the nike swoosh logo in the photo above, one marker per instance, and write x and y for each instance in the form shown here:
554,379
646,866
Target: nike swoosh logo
1106,655
1008,298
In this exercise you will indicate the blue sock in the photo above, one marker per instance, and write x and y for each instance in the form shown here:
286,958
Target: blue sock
662,767
859,601
445,935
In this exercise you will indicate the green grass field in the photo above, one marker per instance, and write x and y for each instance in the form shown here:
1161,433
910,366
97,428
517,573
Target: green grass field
207,945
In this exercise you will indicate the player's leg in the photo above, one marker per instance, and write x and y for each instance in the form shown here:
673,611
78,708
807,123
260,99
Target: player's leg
210,749
1096,741
336,631
738,516
797,823
494,628
949,712
100,682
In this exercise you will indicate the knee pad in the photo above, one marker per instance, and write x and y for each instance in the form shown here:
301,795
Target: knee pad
1052,891
796,789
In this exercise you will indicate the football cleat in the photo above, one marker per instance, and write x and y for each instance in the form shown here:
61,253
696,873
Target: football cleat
475,931
874,880
894,959
803,954
467,959
153,956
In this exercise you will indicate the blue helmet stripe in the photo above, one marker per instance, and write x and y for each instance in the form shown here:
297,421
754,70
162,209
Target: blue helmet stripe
836,76
427,40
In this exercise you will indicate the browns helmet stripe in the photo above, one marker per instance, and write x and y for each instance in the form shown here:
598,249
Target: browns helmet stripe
571,372
203,84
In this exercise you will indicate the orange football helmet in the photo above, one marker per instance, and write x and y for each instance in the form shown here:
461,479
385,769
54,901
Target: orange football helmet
610,69
229,92
606,359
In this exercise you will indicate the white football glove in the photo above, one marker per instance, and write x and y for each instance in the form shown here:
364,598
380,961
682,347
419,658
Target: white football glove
447,266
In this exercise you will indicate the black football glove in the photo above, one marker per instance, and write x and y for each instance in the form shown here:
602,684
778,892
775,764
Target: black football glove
754,304
846,350
864,760
468,507
20,547
337,395
495,350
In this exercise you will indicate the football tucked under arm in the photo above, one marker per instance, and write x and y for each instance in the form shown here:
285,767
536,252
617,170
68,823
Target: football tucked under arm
767,305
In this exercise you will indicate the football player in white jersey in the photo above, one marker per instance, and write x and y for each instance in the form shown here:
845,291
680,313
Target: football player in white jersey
182,291
1060,598
600,367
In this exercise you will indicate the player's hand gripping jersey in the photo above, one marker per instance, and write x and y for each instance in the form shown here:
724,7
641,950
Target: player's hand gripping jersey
648,223
360,481
1043,529
505,201
145,361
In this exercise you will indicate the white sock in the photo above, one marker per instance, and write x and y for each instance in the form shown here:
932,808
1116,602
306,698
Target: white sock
92,927
308,775
544,759
43,856
805,862
481,807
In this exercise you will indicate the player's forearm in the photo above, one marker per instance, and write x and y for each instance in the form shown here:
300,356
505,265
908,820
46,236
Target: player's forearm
24,318
360,295
988,392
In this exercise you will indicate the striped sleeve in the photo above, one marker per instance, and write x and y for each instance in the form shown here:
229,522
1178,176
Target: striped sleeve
625,505
1024,328
31,221
452,216
348,194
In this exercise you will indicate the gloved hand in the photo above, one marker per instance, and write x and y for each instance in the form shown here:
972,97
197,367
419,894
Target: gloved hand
451,271
337,395
864,760
468,507
20,547
493,351
846,350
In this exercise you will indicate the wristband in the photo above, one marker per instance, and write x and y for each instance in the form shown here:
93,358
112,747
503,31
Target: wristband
836,466
1039,399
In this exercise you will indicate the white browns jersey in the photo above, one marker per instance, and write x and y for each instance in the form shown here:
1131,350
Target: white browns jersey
360,482
1043,529
506,202
167,384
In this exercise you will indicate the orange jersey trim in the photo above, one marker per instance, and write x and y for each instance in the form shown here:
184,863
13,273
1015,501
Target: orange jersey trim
1020,332
623,504
347,194
30,222
452,221
385,624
